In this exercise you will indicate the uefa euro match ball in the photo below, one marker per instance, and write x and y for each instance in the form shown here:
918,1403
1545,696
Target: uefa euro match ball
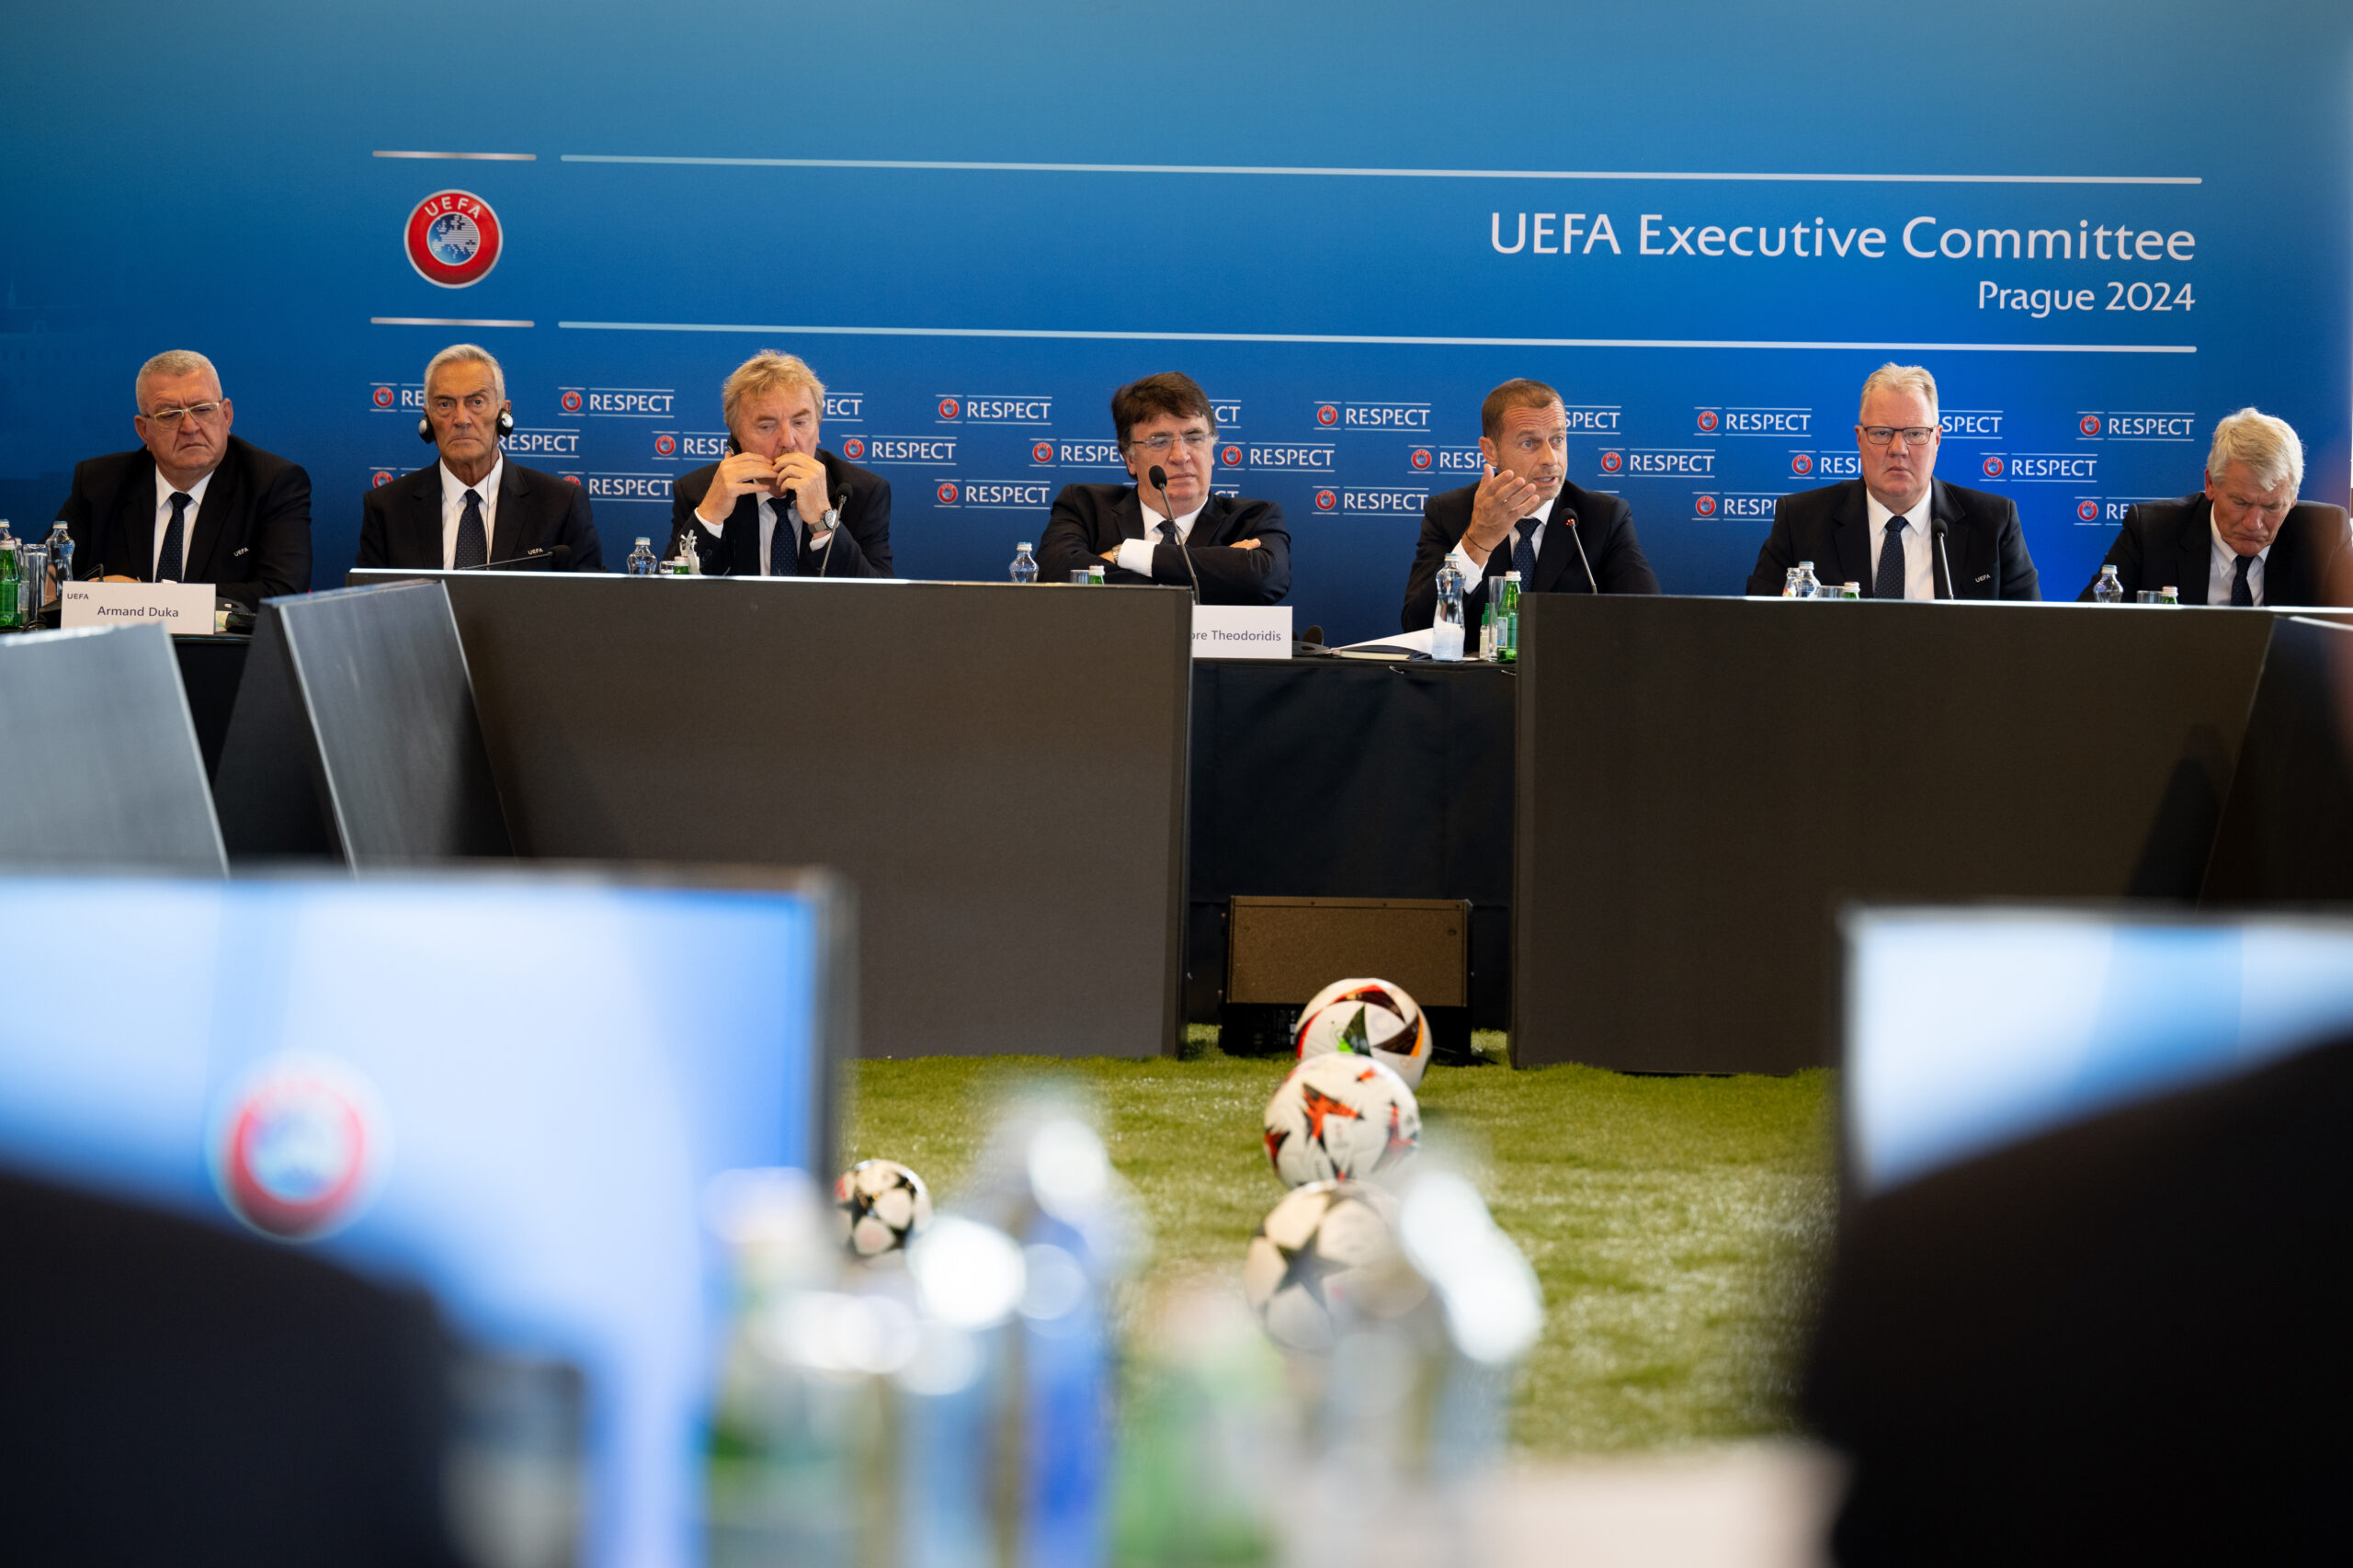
883,1204
1340,1115
1318,1254
1372,1018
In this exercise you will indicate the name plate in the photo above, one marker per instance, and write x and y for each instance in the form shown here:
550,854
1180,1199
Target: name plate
182,608
1241,631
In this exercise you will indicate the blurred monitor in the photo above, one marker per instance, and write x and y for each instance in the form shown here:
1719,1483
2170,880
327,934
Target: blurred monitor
509,1088
1969,1029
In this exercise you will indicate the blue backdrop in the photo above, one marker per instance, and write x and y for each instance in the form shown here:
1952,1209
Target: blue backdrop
2101,225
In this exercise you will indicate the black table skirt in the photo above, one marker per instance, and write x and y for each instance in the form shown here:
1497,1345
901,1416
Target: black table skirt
1342,779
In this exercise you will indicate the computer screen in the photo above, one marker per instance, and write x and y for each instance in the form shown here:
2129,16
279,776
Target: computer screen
509,1088
1969,1029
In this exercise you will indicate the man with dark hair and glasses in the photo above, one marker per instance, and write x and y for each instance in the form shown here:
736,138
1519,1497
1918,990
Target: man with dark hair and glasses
1878,530
194,504
1239,548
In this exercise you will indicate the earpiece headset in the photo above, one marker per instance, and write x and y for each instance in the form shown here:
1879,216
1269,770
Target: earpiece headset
506,426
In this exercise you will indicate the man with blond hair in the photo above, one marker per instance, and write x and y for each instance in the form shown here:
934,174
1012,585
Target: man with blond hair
1525,516
777,505
1881,530
474,508
193,504
2246,541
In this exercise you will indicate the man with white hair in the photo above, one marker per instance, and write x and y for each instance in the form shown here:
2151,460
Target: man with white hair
193,504
2246,541
474,507
1881,530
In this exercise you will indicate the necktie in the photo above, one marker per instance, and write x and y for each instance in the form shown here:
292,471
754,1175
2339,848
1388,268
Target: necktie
784,545
1523,554
169,563
473,543
1168,531
2242,595
1889,582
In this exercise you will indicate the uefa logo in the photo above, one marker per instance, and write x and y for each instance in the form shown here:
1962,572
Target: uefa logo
383,397
1230,455
1993,466
2087,510
947,494
1613,463
453,239
665,446
949,408
1422,457
299,1147
1707,421
2088,424
379,478
1327,414
1704,505
1326,501
570,399
572,479
854,449
1041,452
1801,463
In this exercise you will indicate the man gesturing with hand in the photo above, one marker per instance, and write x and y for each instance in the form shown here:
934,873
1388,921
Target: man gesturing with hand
1525,516
777,505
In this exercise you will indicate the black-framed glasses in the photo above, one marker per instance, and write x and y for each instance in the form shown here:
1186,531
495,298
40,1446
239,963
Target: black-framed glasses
1914,435
170,417
1195,441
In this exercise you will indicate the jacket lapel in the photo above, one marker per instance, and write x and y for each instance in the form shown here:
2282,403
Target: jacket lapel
1851,537
2193,559
221,499
134,529
1956,546
513,499
742,535
423,521
1554,561
1130,515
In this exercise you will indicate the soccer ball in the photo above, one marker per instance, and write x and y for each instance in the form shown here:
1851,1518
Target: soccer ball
1370,1017
1340,1116
881,1204
1317,1256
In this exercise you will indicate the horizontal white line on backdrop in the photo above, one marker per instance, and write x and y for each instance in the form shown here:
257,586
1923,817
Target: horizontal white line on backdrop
1372,173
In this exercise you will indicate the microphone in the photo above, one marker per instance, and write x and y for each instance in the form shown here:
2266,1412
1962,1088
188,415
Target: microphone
1159,480
1936,531
556,556
1570,519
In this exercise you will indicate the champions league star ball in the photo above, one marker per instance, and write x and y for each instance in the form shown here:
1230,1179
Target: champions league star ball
1372,1018
1340,1115
1319,1253
882,1205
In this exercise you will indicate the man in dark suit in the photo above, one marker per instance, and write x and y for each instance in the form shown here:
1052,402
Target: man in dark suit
195,504
1144,532
2246,541
1505,522
778,507
1880,531
474,507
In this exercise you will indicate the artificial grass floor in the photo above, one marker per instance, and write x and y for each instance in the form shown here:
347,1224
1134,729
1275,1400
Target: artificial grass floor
1676,1224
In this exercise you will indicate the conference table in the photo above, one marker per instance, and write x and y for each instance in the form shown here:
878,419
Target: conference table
1657,818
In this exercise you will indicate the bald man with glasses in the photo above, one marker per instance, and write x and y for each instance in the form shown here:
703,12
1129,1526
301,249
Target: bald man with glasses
1142,532
192,503
1881,530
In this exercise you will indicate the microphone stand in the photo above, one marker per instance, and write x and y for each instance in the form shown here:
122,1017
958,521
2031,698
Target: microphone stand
1159,480
1937,529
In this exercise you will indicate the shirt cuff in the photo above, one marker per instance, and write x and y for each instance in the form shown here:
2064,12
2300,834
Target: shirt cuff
716,530
1135,556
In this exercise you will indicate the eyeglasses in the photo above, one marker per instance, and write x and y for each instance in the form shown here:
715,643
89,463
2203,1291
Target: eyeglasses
170,417
1914,435
1195,441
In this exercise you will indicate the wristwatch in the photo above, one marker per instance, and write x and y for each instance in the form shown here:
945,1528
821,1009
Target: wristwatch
830,521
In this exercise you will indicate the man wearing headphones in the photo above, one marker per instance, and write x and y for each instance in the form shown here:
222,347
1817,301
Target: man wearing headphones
474,507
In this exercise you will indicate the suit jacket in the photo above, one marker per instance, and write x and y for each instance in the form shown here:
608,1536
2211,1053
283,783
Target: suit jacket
1602,524
251,538
2170,544
400,524
1831,527
1089,519
860,546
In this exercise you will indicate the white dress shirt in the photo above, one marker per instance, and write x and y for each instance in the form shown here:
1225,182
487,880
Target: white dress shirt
1509,545
2222,569
1135,554
453,508
1919,551
194,492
